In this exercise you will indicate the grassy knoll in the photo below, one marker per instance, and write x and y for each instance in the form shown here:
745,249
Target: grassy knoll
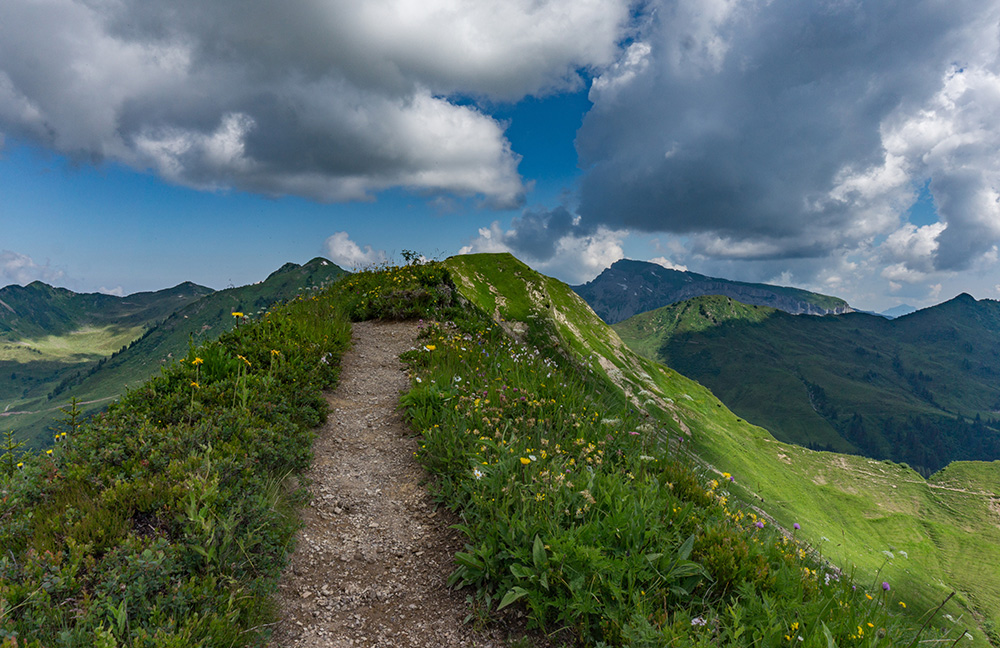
850,508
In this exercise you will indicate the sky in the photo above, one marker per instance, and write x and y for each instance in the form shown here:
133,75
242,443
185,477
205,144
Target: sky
851,147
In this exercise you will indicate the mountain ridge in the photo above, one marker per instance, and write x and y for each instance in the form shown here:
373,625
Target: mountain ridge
105,376
920,388
631,287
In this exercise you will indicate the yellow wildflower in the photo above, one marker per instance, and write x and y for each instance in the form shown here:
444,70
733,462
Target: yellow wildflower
430,347
525,461
197,361
237,314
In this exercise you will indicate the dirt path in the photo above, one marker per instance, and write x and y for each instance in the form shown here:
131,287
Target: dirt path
371,564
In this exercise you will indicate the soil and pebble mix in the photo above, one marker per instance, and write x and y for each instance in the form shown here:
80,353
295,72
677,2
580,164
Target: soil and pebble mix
371,564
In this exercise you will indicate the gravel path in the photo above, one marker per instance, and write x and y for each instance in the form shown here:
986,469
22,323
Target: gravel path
371,564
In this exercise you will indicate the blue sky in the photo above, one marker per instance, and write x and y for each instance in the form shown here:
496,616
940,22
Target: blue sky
847,148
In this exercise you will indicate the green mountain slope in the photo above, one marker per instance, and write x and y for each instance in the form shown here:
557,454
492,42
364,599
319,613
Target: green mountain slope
39,311
927,537
98,383
920,389
631,287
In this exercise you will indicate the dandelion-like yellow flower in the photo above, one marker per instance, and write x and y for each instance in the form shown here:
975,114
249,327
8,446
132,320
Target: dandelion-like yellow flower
902,605
243,359
197,361
20,465
48,452
275,352
525,461
194,384
237,314
430,347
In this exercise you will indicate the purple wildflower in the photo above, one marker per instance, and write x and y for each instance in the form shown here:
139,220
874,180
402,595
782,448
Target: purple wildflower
760,524
796,526
885,586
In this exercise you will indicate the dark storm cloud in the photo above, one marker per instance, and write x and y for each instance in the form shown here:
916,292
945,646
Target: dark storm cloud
535,233
788,129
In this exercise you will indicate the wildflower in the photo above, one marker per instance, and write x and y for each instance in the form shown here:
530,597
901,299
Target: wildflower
477,473
20,465
902,605
532,457
243,359
885,586
430,347
194,384
760,524
698,621
48,452
525,461
796,526
275,352
197,361
237,314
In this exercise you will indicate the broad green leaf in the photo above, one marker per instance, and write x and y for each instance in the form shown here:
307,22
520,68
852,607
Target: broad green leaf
513,595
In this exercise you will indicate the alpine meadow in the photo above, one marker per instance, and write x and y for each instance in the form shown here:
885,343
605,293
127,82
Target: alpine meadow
604,499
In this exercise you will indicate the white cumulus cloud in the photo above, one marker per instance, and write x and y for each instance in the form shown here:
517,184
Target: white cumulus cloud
349,255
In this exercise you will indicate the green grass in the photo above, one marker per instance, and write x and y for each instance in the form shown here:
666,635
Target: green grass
863,507
591,483
81,345
166,520
131,363
920,389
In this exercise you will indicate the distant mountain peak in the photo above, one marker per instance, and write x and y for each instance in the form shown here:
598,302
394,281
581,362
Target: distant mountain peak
631,287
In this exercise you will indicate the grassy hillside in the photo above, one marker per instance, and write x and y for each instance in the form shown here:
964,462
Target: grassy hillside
920,389
49,387
165,521
850,508
568,457
42,312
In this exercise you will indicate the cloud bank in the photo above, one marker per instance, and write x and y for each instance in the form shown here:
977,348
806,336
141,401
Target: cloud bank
332,101
785,130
